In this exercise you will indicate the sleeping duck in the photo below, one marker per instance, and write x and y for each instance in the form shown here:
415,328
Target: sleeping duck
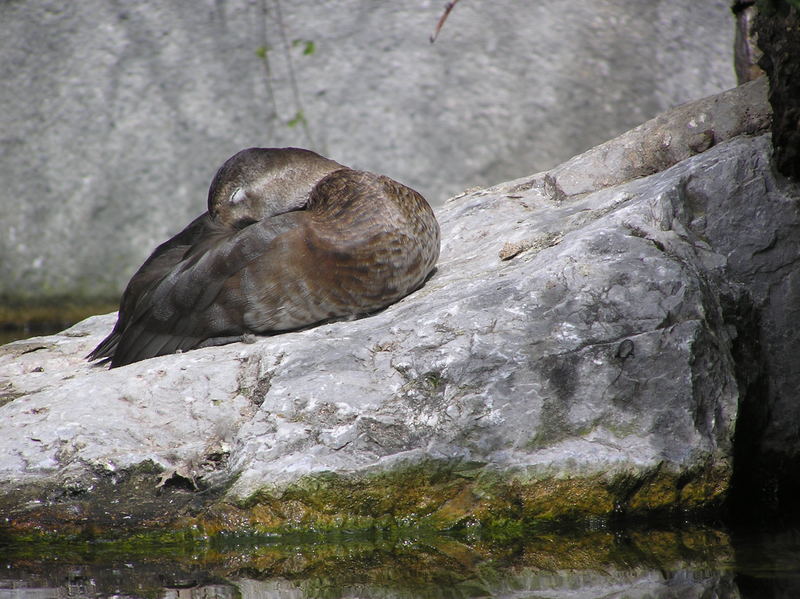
290,239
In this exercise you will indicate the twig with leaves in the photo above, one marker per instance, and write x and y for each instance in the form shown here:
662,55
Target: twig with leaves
299,117
272,9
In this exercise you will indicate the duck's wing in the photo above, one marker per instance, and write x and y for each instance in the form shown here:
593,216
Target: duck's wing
368,241
202,296
378,238
163,259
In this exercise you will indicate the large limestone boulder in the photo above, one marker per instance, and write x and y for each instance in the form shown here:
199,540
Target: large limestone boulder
576,355
115,116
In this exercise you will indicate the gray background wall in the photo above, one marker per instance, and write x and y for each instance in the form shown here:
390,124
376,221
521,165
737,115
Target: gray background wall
116,114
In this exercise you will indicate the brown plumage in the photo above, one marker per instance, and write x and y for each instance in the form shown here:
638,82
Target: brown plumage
290,239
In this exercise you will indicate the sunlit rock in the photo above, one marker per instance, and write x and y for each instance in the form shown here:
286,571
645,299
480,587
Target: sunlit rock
574,356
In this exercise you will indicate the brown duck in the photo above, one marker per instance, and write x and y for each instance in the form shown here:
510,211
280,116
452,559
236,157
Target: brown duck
290,239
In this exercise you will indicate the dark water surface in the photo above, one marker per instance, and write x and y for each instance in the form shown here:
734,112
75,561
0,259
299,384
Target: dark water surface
694,562
15,333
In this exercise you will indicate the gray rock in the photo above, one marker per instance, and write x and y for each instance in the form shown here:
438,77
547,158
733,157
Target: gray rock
115,117
579,349
659,143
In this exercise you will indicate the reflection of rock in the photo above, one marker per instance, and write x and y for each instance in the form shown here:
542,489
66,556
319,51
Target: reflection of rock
758,551
192,591
690,562
48,577
593,373
534,584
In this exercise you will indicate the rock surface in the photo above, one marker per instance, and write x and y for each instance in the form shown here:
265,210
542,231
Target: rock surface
116,116
573,356
777,28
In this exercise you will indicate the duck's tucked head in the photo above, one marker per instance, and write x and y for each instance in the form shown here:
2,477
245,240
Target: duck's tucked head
261,182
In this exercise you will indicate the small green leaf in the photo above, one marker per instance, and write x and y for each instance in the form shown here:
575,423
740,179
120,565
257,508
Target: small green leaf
261,52
298,119
308,46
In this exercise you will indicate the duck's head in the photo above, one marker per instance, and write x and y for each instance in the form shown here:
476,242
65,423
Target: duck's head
261,182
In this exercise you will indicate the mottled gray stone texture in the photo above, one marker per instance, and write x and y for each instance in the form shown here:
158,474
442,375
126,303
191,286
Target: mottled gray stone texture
116,114
590,335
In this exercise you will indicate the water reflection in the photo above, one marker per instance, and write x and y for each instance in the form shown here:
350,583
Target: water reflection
686,564
9,333
629,584
768,563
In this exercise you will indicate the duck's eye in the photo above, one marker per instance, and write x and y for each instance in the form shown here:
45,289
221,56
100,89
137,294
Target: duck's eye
238,195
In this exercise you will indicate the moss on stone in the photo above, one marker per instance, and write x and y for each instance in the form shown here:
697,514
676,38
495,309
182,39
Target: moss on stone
415,525
580,498
664,490
443,496
415,498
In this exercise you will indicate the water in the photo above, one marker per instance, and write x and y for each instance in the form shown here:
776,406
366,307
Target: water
9,334
686,563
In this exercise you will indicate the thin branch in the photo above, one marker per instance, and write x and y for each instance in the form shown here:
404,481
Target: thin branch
447,8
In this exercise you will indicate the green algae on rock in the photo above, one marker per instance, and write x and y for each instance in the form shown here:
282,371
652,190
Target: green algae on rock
447,496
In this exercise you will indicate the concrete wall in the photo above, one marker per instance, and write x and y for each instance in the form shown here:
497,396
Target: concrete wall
115,115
